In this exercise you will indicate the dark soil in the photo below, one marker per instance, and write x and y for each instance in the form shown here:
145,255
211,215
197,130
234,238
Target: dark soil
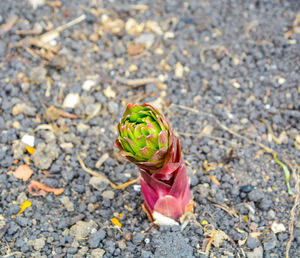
234,61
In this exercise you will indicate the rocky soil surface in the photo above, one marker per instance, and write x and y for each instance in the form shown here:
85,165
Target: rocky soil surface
224,73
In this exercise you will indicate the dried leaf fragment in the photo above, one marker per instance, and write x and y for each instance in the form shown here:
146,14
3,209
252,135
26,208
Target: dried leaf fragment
26,204
209,166
52,113
43,189
23,172
30,149
116,222
214,179
135,49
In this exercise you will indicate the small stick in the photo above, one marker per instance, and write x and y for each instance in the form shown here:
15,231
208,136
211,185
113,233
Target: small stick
46,37
270,131
139,7
119,187
293,212
102,159
232,212
266,149
137,82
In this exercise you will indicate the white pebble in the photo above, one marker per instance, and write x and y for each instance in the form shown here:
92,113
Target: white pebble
28,140
281,80
87,85
137,188
71,100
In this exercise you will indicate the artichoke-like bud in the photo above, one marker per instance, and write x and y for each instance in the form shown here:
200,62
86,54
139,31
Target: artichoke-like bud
146,139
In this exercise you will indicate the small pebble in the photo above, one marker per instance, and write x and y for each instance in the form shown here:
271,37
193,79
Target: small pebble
97,253
252,242
109,194
71,100
246,188
138,238
87,85
69,206
95,238
28,140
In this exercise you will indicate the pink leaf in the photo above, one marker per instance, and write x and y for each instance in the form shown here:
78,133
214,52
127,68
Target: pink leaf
169,168
149,195
158,186
181,187
169,206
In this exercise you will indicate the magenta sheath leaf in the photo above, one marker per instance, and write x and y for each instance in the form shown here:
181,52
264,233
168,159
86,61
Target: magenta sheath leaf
169,206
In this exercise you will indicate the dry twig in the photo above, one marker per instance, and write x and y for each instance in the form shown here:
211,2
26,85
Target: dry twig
50,35
231,212
114,186
137,82
293,212
224,127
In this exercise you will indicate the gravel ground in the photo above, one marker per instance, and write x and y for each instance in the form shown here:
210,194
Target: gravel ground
217,69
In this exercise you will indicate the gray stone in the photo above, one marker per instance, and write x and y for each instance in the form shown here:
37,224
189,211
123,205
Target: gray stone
147,254
37,75
23,222
108,194
38,243
72,250
138,238
256,195
90,207
67,203
94,239
113,107
82,252
14,209
2,48
13,228
271,214
203,190
256,253
121,244
146,39
44,155
252,242
270,242
98,183
151,87
18,149
215,67
20,242
29,110
97,253
265,204
82,229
